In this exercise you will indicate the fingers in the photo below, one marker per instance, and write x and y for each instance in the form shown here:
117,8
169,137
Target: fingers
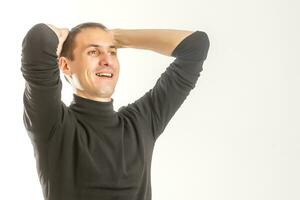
63,34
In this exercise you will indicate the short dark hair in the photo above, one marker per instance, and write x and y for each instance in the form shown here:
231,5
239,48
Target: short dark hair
69,44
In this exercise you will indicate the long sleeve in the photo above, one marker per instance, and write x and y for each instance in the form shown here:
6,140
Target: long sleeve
42,95
160,103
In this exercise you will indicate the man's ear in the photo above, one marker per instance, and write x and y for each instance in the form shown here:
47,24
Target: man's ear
64,66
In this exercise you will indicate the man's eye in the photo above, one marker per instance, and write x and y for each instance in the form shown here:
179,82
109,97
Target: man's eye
93,52
96,52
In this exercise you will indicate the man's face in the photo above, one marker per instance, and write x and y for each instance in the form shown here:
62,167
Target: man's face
95,58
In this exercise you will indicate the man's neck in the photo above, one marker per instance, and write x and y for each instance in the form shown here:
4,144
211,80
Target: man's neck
94,98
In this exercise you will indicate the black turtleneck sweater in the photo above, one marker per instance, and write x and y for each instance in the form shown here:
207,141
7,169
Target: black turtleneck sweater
88,151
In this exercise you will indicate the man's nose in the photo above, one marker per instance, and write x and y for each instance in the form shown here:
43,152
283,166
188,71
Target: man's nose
105,59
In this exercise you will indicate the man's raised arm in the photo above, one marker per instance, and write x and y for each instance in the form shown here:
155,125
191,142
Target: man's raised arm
174,85
42,95
162,41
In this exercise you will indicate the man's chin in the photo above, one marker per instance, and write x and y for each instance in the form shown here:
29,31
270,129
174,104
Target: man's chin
105,93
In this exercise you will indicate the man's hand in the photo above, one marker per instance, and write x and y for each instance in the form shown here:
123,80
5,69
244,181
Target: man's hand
117,41
62,34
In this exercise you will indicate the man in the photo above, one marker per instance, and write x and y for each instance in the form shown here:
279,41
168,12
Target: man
87,151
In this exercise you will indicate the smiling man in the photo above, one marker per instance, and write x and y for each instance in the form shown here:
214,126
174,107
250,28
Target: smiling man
88,151
95,71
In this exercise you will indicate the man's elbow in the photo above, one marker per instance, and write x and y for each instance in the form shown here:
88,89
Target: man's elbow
203,44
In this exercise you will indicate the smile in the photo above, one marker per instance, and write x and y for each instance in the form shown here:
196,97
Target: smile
108,75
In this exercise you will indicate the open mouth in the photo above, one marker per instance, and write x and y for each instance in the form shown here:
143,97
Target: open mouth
104,75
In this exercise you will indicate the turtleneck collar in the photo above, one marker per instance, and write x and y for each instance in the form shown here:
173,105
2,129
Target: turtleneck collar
92,108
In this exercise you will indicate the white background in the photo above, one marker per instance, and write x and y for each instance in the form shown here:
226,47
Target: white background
237,136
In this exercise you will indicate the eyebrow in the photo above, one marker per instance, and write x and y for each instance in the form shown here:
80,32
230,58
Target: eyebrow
101,46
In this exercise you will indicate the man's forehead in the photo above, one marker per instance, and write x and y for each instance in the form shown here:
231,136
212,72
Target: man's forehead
95,38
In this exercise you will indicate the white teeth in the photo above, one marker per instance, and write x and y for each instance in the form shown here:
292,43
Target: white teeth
104,74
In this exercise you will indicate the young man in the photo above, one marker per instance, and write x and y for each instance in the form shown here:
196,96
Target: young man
88,151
